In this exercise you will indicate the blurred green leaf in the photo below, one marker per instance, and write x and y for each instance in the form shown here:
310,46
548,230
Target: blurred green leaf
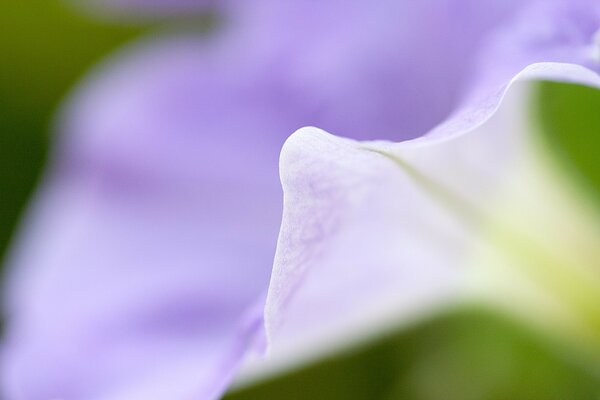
569,116
44,47
469,354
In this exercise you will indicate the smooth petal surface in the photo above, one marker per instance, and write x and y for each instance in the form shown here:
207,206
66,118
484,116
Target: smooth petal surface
363,241
147,255
148,252
338,223
377,233
386,69
143,266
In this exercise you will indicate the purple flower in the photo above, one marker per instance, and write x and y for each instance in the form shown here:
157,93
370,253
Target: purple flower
142,269
377,233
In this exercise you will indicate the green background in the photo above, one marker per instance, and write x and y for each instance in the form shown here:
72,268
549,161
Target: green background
468,354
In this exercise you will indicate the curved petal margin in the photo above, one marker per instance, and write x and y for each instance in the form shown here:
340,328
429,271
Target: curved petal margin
376,233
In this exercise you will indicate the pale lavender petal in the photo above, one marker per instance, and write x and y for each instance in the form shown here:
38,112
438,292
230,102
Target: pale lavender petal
362,241
153,237
150,246
386,69
373,235
154,234
543,33
144,263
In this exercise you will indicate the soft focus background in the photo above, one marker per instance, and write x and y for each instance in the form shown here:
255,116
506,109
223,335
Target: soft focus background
466,354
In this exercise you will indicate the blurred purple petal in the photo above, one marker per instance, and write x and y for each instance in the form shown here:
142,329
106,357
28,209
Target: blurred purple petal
367,238
377,70
144,263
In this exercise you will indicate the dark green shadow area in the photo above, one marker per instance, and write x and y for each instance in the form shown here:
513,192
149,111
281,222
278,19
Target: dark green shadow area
570,120
471,354
44,47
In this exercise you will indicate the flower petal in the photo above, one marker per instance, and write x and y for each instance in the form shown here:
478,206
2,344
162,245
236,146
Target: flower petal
151,240
144,264
362,240
376,233
157,209
378,70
